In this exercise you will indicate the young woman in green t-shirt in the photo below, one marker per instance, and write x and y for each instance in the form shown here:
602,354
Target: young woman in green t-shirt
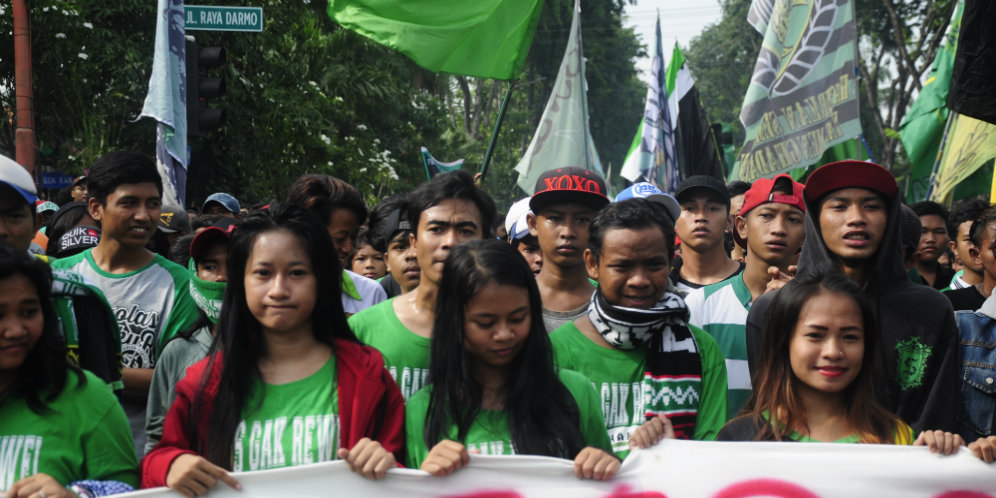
816,380
492,385
63,433
286,382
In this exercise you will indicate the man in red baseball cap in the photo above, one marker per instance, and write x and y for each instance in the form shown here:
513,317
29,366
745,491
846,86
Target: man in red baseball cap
771,226
563,204
853,222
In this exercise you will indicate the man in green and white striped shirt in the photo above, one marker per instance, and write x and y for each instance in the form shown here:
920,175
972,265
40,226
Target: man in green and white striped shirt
771,224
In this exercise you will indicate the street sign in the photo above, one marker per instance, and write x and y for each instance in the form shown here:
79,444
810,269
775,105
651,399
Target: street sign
219,18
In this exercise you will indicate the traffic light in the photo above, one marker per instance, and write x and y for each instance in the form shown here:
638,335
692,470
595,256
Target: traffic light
202,118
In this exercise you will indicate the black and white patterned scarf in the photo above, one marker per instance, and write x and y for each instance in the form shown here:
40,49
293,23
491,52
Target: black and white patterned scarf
672,382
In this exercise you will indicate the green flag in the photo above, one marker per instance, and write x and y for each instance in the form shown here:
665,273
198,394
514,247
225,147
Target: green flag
802,98
923,126
483,38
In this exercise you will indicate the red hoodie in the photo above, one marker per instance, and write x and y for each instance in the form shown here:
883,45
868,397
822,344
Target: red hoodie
370,405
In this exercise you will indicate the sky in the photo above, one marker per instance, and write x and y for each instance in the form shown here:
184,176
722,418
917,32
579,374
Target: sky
681,20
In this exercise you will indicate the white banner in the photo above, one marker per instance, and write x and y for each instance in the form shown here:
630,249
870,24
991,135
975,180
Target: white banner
671,469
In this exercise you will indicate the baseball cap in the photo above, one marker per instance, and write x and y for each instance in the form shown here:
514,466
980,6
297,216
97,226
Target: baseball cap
16,177
762,191
516,223
173,219
221,228
649,191
702,182
850,174
77,240
46,206
570,185
227,201
80,179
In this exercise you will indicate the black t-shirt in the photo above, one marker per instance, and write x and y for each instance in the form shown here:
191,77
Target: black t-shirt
969,298
942,279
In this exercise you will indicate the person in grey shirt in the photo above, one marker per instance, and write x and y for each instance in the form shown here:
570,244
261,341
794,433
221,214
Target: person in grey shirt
208,274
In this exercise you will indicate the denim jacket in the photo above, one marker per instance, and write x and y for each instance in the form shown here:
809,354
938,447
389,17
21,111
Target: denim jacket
977,331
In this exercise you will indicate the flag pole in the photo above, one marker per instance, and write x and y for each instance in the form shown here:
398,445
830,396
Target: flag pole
494,134
940,151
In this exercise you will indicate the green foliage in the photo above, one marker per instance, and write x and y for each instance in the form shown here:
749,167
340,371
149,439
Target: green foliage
305,96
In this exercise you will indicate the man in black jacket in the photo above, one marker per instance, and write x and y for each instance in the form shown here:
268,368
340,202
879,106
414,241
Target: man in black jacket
853,226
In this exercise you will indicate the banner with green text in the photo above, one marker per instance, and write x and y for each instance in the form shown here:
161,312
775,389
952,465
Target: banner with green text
802,98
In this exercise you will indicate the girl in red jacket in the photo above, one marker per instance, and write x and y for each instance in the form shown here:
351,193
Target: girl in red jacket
287,382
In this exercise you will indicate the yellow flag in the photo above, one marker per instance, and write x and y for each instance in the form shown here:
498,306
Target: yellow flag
970,144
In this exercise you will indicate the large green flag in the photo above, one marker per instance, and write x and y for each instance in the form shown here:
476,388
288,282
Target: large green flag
802,98
483,38
923,127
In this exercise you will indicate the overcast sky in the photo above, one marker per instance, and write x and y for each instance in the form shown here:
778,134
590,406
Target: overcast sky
681,20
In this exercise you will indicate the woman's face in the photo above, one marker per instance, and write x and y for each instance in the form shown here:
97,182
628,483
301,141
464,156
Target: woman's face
280,283
828,342
21,321
496,324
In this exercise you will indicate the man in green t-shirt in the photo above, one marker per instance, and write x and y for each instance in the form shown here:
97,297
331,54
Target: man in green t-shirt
634,342
771,225
447,210
147,292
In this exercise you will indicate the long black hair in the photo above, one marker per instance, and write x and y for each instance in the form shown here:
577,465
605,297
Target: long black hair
42,376
240,337
776,386
543,417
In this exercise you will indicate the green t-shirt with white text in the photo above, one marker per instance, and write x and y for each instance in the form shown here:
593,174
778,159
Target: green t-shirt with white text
84,436
618,378
406,354
290,424
489,433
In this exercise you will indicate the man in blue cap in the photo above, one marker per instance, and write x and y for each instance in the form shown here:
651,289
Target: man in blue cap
222,204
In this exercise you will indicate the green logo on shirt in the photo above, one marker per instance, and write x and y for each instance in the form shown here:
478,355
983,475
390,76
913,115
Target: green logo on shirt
912,362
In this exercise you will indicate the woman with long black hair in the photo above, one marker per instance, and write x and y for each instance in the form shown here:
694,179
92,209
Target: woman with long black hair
493,388
286,382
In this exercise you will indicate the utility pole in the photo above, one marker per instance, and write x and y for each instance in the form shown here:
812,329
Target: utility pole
24,136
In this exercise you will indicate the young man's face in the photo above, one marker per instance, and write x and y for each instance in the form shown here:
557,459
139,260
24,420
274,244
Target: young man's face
852,223
531,252
774,232
343,227
702,223
17,219
933,238
633,268
961,245
562,232
212,265
401,261
129,214
985,254
440,228
79,192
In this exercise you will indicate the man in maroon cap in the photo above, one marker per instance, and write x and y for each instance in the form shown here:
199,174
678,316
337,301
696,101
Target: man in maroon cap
563,204
853,227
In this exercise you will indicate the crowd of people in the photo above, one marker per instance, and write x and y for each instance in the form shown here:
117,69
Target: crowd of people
142,346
